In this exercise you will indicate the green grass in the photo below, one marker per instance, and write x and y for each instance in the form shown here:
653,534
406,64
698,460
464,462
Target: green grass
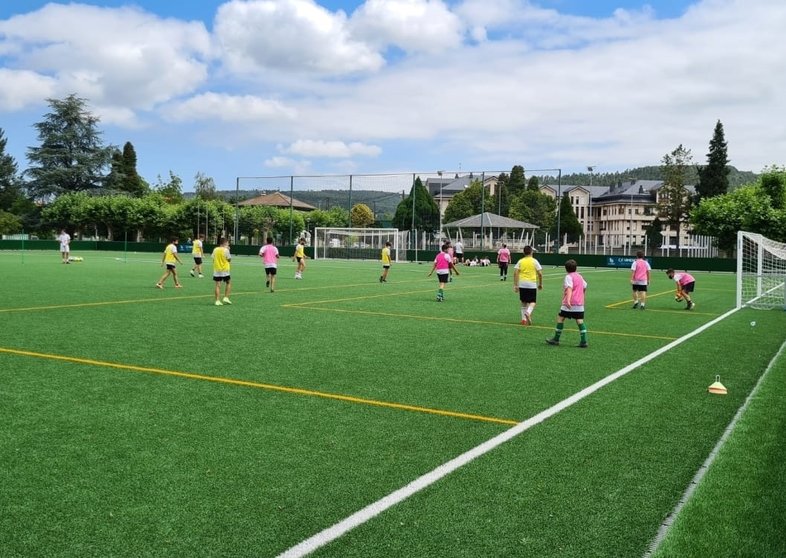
103,461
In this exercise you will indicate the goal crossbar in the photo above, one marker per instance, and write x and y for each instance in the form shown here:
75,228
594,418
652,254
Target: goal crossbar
357,243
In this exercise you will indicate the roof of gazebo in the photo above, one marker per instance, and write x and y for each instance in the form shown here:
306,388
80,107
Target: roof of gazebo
277,199
489,220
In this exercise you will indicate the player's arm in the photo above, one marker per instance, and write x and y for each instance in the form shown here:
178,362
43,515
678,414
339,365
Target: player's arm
433,267
540,279
568,296
456,271
515,279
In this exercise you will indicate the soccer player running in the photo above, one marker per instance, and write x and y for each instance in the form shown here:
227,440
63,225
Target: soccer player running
572,307
527,280
385,256
221,259
443,264
639,279
503,259
197,251
171,260
685,285
269,255
300,256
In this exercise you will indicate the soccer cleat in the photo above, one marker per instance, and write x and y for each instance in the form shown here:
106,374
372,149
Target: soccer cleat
582,345
159,286
690,306
554,342
201,276
178,286
635,304
192,273
218,303
641,307
525,320
501,278
225,300
267,284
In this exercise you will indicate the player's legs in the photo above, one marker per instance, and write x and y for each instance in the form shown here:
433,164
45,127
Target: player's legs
582,333
227,290
174,276
164,277
217,291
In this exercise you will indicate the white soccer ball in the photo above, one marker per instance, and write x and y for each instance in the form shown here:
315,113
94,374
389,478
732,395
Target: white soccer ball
753,324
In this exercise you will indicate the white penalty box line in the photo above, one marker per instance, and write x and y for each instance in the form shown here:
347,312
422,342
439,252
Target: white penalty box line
364,515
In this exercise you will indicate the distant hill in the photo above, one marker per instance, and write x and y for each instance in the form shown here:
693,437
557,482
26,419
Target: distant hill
736,177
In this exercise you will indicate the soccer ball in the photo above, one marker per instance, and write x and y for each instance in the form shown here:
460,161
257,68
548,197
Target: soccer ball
678,298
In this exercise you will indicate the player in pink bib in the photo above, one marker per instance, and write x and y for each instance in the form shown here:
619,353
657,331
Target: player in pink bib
503,259
269,255
685,285
640,279
443,264
572,307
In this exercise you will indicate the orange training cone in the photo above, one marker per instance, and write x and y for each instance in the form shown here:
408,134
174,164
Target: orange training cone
717,387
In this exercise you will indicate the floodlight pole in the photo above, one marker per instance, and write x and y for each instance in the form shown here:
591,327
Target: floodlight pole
237,208
559,205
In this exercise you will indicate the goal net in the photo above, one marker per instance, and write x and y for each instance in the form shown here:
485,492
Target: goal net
352,243
761,271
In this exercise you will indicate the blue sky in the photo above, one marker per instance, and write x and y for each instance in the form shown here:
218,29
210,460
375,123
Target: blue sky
279,87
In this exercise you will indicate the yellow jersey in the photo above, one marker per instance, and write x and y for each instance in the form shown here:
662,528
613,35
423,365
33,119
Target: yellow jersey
221,259
196,249
300,251
170,254
386,256
528,268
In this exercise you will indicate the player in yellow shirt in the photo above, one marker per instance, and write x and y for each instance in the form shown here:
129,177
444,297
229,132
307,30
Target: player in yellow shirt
300,256
171,260
527,281
221,259
197,251
385,263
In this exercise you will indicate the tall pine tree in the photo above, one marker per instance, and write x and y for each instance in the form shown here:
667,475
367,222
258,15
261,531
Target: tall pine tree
714,177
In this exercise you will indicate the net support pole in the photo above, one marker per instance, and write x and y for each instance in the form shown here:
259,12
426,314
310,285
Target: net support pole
291,212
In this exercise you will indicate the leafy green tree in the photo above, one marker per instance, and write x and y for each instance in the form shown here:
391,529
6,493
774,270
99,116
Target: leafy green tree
362,216
472,200
205,187
534,207
674,197
533,183
714,177
171,191
71,157
654,238
568,222
773,184
73,209
131,182
426,210
517,182
9,223
500,201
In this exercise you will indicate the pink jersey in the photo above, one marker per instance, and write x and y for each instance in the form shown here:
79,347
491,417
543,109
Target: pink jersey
640,268
443,261
578,285
683,278
269,254
503,255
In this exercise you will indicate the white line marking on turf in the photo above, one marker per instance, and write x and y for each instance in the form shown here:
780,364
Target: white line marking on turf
694,483
372,510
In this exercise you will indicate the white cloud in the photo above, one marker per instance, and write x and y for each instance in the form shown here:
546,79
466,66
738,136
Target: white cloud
412,25
296,36
228,108
126,57
331,149
20,88
279,162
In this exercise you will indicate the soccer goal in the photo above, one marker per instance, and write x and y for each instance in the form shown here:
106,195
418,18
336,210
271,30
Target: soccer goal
761,271
353,243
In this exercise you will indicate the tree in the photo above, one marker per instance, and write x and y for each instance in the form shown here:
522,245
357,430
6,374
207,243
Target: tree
131,182
654,238
71,157
500,201
534,207
773,183
171,191
714,177
533,183
205,187
517,182
674,203
362,216
471,201
426,210
568,222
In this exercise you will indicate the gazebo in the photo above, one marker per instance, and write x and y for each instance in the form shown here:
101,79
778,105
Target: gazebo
277,199
482,227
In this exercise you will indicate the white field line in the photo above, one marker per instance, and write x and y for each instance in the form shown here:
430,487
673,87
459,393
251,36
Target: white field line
686,496
372,510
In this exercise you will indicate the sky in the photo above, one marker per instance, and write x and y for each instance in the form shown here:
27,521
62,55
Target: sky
250,88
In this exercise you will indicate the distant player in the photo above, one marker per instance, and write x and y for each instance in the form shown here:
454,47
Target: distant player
443,264
385,257
300,256
503,260
65,245
685,286
572,307
269,255
197,251
527,281
639,279
170,259
221,259
459,252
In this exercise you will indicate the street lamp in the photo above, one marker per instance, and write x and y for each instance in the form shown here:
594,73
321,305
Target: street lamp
590,222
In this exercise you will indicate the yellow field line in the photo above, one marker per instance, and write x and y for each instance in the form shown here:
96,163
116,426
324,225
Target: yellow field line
465,321
259,385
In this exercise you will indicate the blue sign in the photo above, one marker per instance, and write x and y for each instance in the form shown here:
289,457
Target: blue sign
622,261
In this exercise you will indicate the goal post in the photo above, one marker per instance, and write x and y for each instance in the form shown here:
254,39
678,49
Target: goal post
761,271
357,243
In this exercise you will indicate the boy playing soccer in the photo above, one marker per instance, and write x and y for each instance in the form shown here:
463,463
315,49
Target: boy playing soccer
197,251
221,259
639,279
385,256
572,307
443,263
171,260
527,280
503,259
269,255
685,285
300,256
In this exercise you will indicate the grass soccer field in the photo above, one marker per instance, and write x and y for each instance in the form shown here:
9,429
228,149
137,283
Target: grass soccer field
146,422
